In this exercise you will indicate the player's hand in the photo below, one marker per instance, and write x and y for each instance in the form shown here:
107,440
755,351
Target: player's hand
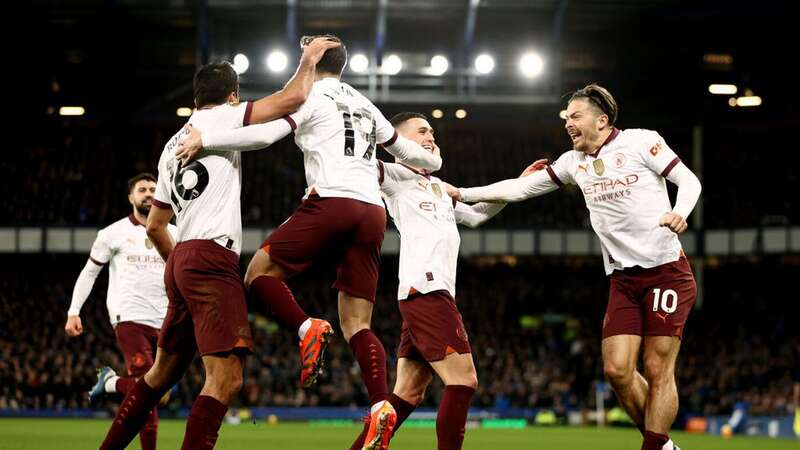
189,145
452,191
537,165
73,326
674,222
313,51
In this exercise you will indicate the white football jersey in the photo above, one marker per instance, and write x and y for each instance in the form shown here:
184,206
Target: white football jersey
625,190
338,130
426,219
205,194
135,274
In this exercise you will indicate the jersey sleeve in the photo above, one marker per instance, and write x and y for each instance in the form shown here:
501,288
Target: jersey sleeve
657,155
390,175
305,112
385,134
102,248
161,197
560,172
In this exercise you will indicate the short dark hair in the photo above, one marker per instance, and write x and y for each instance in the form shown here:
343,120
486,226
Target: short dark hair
399,118
334,59
139,177
599,97
214,82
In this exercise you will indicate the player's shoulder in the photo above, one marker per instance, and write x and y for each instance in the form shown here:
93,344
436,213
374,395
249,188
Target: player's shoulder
568,157
121,226
638,134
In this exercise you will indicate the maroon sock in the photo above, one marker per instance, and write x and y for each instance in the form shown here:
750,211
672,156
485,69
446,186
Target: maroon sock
403,409
273,296
125,384
132,415
451,420
654,441
372,359
202,428
147,437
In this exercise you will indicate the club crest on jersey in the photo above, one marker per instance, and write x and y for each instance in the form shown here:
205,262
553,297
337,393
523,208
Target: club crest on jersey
148,243
599,167
619,160
436,189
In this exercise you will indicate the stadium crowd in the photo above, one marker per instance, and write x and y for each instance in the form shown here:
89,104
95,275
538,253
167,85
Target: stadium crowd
534,325
80,174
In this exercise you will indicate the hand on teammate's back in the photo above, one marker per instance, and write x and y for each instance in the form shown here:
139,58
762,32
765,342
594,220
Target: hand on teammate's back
189,146
73,326
539,164
674,222
316,48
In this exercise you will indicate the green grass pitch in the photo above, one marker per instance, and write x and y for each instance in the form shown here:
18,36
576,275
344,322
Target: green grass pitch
67,434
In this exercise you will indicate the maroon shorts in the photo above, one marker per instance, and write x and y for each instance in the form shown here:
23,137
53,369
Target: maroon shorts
207,309
650,302
432,327
138,344
346,230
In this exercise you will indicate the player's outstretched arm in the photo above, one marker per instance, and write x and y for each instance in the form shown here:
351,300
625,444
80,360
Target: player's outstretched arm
296,91
157,231
413,154
689,189
243,139
512,190
476,215
81,291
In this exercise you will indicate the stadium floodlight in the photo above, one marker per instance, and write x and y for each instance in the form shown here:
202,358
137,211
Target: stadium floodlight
437,113
531,65
752,100
563,114
241,63
484,63
277,61
71,111
183,112
392,65
358,63
461,113
723,89
439,65
732,101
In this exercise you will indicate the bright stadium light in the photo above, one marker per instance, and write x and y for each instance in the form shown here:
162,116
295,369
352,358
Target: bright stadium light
732,101
183,112
723,89
461,113
392,65
484,63
439,65
277,61
437,113
531,65
563,114
71,111
240,63
358,63
752,100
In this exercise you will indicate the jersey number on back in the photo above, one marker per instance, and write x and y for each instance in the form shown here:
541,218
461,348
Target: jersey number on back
188,182
360,120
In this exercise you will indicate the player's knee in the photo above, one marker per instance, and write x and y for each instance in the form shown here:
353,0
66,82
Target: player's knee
656,371
618,374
